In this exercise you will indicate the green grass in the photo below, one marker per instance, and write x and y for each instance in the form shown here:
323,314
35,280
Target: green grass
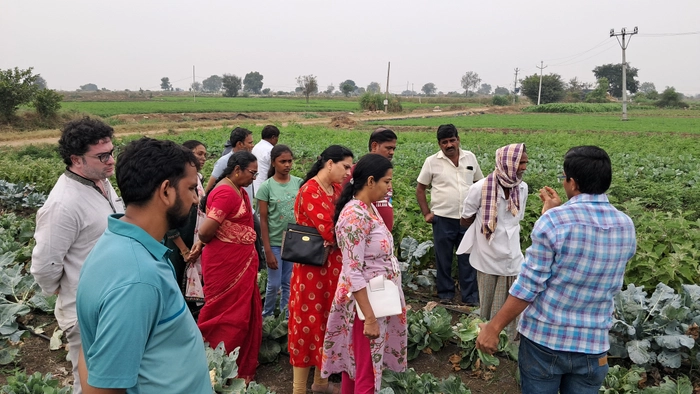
563,122
234,104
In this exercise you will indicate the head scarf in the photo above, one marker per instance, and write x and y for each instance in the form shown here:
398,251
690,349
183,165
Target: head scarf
505,174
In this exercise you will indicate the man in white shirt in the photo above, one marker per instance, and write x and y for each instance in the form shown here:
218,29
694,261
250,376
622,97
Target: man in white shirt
72,219
496,205
241,139
270,135
449,173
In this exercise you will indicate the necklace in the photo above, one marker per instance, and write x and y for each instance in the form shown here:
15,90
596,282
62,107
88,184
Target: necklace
327,189
232,184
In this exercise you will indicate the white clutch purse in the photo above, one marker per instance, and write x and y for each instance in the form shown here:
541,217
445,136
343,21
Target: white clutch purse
384,297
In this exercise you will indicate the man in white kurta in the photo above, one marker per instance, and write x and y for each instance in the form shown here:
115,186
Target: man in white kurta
496,205
73,219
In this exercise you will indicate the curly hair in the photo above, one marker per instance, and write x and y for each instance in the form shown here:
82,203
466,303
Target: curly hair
78,135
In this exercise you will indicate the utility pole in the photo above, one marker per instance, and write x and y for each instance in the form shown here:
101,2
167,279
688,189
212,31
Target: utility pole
624,46
539,92
515,85
386,99
194,91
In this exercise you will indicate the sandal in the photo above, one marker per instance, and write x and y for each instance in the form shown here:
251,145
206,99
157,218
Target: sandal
330,388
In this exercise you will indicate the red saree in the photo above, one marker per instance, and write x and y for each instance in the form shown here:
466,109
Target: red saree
313,288
232,312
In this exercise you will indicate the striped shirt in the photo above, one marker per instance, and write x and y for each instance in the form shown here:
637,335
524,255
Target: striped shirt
571,273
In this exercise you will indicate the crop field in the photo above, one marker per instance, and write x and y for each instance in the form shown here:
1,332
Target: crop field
226,104
639,121
656,180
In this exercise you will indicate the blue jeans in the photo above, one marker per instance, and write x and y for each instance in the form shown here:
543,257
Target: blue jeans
276,279
447,234
544,371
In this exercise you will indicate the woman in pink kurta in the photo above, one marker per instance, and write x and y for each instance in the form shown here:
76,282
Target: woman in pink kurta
361,349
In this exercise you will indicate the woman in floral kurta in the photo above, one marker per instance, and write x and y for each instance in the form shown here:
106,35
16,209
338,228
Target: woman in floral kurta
367,249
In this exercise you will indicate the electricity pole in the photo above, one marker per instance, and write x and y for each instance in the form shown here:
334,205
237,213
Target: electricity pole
386,99
194,91
515,85
624,46
539,92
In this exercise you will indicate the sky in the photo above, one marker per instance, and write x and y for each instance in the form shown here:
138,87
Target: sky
129,44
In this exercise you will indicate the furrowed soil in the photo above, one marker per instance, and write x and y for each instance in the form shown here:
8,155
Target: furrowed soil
35,356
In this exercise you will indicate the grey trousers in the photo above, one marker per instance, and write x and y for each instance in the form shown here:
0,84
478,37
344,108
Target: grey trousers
74,349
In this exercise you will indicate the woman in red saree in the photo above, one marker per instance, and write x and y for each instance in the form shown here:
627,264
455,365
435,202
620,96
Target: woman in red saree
313,288
232,312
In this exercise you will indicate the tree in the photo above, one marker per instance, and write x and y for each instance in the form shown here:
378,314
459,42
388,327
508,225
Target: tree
470,80
647,87
501,91
330,89
232,84
47,103
252,82
40,82
670,98
308,85
266,91
17,87
348,86
374,87
429,89
552,88
613,72
165,84
600,93
485,89
89,87
212,84
196,86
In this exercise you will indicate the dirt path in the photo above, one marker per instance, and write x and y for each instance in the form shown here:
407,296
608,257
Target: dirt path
159,128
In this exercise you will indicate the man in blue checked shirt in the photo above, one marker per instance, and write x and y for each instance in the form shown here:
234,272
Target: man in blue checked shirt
567,282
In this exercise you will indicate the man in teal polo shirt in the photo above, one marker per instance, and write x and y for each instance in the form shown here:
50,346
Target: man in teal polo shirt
137,334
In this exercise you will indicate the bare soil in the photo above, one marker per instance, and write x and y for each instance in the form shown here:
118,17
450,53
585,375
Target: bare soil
152,124
35,356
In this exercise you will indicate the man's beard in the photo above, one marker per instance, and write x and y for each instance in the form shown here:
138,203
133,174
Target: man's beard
174,216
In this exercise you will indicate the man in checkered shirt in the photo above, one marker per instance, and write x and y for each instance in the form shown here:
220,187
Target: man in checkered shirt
566,286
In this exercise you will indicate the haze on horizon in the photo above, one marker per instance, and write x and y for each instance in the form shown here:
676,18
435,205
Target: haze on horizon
133,44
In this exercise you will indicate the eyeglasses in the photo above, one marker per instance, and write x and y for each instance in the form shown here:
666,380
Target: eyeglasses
253,173
103,157
561,178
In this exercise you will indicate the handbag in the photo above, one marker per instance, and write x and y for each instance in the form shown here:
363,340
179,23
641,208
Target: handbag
303,245
383,296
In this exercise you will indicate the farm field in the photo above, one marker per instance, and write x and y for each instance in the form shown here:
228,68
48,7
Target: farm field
656,180
226,104
639,121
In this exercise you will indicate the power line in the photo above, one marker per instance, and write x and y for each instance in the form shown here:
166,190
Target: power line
581,53
611,46
669,34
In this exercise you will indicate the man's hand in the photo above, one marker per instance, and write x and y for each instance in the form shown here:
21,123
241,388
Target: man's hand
487,341
428,217
550,198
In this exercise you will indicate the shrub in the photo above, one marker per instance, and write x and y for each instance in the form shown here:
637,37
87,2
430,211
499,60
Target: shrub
375,102
372,101
671,98
500,100
47,103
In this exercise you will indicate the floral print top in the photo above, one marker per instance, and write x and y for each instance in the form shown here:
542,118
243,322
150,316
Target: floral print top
367,249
